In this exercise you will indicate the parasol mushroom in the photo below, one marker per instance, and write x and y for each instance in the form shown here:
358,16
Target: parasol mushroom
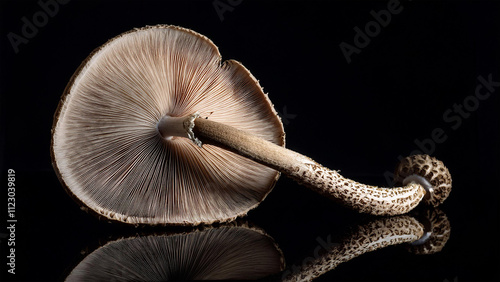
227,252
420,238
438,231
153,128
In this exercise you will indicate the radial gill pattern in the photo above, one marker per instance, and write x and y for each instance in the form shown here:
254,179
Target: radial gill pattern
107,150
227,253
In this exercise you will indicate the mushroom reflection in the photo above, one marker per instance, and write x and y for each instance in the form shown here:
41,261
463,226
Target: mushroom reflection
427,235
228,252
437,233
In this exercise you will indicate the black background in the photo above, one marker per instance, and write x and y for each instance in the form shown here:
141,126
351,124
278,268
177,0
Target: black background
357,117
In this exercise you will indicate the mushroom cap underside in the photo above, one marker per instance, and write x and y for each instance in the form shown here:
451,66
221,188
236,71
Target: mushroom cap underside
106,148
224,253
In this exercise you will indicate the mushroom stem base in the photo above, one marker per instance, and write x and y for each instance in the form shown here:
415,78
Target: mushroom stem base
169,127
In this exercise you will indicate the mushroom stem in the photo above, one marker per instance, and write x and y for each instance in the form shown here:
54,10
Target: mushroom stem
360,197
169,126
370,237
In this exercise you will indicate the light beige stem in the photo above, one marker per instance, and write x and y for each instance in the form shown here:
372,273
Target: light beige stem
360,197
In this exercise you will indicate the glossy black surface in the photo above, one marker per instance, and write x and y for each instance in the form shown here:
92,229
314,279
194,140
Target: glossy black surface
405,87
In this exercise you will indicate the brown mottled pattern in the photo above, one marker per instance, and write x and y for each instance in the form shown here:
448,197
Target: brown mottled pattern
367,238
431,169
358,196
441,231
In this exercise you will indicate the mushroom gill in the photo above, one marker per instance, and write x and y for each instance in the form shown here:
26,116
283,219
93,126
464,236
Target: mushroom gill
106,146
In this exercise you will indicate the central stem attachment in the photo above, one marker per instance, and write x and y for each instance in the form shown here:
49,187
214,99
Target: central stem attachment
360,197
169,127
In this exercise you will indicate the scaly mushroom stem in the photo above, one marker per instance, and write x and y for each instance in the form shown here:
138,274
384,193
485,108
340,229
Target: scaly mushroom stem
375,235
360,197
426,235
